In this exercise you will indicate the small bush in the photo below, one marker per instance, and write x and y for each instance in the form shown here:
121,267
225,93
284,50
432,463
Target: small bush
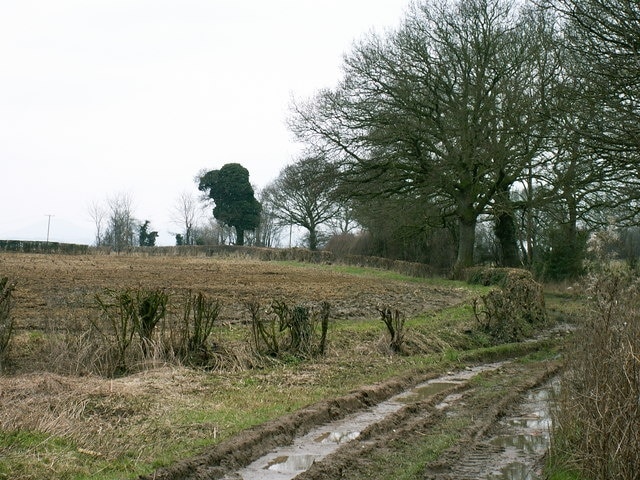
6,320
394,321
266,332
511,312
147,308
283,331
126,313
198,321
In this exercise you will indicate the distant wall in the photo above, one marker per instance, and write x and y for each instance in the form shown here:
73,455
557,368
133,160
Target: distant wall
23,246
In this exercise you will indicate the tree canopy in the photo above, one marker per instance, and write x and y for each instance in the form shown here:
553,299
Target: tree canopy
301,195
234,202
448,110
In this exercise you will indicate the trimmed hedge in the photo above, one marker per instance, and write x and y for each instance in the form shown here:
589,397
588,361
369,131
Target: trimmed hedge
23,246
512,311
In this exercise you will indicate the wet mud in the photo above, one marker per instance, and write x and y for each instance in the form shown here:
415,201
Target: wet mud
287,462
340,439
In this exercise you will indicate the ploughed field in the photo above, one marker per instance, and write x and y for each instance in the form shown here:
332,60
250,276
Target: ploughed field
60,418
55,289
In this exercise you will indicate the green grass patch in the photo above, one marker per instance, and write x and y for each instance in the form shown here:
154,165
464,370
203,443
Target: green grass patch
409,464
387,275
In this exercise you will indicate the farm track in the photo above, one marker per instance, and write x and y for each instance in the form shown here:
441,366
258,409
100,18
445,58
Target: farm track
467,413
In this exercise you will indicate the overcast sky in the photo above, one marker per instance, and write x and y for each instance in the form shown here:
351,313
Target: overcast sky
100,98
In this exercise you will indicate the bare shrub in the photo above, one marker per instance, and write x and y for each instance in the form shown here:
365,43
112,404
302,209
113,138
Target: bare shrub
596,421
283,330
301,328
394,321
147,309
117,329
125,313
199,317
6,320
266,332
511,312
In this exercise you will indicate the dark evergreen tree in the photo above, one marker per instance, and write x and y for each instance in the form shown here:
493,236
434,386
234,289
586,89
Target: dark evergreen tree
147,238
233,196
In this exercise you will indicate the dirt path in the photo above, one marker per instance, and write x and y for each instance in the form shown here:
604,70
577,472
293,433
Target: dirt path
442,433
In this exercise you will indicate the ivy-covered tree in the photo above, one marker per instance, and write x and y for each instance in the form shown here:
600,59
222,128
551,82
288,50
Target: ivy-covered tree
234,202
147,238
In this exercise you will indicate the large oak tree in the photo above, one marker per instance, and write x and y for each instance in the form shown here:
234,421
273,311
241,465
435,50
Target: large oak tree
447,110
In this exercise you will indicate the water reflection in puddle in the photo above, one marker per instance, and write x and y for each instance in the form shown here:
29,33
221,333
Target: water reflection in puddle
293,463
427,390
527,439
337,437
516,471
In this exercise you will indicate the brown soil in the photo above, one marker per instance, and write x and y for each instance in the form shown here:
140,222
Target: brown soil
50,286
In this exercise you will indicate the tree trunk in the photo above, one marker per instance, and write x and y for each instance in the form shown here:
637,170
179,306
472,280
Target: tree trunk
505,230
466,243
313,239
239,236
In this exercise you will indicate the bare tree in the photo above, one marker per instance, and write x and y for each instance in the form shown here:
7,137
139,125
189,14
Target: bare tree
447,111
302,195
603,37
344,221
98,214
186,213
269,230
122,226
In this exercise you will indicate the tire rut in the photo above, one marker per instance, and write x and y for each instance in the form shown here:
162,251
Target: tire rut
484,453
470,455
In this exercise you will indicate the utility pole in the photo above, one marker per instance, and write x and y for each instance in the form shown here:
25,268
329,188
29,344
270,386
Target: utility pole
48,225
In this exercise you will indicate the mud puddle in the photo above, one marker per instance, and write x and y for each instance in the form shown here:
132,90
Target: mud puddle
515,450
289,461
526,437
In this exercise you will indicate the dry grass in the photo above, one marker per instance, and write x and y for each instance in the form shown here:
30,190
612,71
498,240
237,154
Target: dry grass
81,408
597,422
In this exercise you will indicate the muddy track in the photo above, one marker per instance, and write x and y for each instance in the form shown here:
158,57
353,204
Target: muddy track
476,413
475,406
